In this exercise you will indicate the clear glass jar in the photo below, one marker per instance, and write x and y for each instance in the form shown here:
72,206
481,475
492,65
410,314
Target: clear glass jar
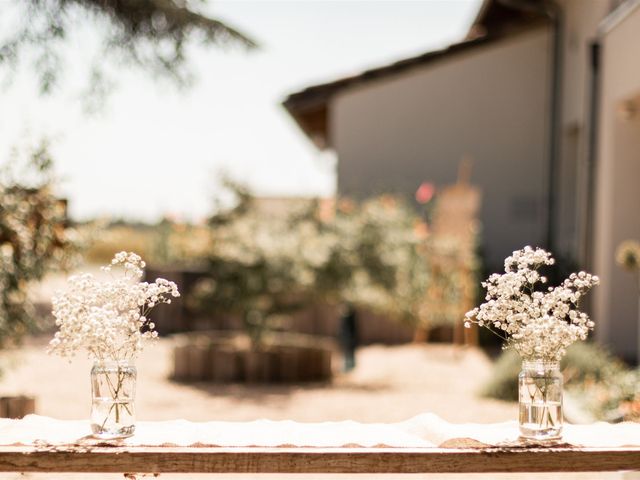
540,399
113,390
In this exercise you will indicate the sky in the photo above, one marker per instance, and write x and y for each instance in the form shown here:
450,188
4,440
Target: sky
155,150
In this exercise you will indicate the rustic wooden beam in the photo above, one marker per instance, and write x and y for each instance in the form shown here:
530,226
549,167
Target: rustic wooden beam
314,460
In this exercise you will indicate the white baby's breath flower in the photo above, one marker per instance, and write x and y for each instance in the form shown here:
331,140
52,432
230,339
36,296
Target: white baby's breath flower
108,318
539,325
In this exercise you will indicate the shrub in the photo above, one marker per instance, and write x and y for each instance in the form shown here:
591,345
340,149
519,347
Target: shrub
584,363
503,383
34,238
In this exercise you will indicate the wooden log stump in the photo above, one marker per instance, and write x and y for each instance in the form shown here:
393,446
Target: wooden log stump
272,366
307,364
17,406
288,363
199,361
224,358
320,370
225,364
252,367
181,360
325,365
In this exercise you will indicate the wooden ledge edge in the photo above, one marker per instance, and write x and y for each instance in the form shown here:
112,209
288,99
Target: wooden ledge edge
315,460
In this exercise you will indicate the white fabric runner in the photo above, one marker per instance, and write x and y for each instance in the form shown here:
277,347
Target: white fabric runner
426,430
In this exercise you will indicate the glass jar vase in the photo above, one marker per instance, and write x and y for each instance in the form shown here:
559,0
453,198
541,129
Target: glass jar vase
113,390
540,399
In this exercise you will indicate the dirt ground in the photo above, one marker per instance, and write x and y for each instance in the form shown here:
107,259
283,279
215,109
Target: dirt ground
388,384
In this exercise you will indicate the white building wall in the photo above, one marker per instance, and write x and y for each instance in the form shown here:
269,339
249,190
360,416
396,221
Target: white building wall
581,20
580,26
491,102
618,184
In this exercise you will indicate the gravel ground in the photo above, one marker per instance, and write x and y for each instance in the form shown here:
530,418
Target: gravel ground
389,384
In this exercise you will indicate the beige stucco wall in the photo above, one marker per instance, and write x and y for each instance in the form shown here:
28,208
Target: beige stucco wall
581,20
490,102
617,190
580,24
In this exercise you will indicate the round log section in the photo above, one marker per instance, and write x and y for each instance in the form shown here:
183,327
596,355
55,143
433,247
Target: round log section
225,357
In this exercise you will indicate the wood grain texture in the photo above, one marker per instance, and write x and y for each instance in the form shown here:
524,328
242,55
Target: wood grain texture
314,460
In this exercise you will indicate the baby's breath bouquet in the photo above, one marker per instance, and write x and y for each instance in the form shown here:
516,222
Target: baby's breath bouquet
539,323
110,320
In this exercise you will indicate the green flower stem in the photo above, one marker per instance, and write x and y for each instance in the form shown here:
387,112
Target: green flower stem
546,418
115,392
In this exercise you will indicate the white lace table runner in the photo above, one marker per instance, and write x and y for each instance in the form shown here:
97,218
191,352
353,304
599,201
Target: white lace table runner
426,430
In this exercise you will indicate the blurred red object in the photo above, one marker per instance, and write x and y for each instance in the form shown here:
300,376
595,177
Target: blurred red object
425,192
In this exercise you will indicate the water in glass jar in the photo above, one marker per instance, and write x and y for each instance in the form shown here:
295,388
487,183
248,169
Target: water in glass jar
112,419
541,420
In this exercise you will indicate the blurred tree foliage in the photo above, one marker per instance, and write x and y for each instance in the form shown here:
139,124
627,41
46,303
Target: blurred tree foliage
152,34
257,264
377,257
264,265
34,238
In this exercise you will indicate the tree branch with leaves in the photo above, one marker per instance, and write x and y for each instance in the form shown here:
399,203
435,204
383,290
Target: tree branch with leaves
150,34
